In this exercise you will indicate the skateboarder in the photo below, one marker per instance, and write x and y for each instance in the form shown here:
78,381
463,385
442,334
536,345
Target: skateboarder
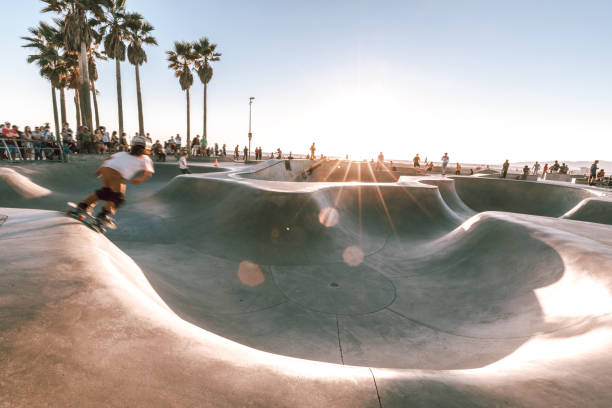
115,172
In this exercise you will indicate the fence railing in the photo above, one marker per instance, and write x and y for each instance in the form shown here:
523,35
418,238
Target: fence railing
29,149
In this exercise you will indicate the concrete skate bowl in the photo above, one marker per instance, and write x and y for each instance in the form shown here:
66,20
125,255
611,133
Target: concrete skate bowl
329,170
402,276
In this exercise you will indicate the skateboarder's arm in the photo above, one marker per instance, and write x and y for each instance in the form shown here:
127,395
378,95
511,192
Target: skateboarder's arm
145,176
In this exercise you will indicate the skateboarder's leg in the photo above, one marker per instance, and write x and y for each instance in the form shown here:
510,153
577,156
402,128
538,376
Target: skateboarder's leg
89,202
114,192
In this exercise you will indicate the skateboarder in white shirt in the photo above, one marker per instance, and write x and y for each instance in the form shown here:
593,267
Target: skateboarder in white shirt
115,172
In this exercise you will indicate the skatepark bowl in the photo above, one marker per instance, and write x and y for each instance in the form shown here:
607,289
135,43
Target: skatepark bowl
301,283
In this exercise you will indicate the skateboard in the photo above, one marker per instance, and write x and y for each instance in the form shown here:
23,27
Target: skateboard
88,219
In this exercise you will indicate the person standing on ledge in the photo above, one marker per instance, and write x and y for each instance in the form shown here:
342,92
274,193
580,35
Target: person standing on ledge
445,160
458,169
381,161
115,172
417,161
536,168
593,175
505,169
312,150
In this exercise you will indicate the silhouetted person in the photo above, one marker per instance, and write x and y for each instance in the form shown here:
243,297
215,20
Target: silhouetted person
593,174
445,160
505,168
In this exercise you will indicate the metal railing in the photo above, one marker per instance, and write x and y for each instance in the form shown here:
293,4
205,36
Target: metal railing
28,149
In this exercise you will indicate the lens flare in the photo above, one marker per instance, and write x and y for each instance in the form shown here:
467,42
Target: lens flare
250,274
353,256
329,217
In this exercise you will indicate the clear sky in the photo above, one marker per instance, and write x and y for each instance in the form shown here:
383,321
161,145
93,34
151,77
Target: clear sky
482,80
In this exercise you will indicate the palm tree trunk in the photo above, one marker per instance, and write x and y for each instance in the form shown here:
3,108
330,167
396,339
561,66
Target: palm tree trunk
204,131
188,124
55,114
119,99
84,89
63,106
77,109
95,100
139,98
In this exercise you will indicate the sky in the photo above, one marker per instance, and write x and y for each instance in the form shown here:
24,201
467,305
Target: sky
482,80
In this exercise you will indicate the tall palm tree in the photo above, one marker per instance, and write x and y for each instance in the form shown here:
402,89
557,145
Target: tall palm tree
80,16
180,61
69,59
93,77
48,59
139,34
205,54
74,85
114,31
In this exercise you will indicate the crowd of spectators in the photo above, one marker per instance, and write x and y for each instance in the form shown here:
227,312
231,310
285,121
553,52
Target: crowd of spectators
28,144
42,144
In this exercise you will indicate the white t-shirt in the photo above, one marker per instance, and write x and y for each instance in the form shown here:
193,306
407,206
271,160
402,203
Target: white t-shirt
183,163
129,165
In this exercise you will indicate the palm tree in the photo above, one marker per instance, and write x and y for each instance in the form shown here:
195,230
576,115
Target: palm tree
114,32
48,59
80,16
139,34
205,53
180,60
69,59
73,83
93,77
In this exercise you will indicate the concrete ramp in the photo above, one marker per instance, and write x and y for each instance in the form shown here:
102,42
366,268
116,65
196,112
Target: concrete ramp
597,210
220,289
526,197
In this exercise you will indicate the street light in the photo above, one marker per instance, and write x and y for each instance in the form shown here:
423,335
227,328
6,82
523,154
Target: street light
251,99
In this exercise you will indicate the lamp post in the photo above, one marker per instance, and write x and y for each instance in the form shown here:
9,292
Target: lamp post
251,99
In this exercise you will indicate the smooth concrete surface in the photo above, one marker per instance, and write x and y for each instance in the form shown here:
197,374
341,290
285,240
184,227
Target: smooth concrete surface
225,288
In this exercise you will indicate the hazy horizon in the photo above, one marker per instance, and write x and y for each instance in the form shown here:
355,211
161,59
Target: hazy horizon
484,82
